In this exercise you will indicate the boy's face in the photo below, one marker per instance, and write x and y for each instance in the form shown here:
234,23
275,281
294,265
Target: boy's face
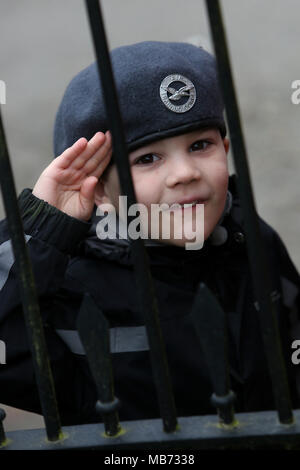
177,170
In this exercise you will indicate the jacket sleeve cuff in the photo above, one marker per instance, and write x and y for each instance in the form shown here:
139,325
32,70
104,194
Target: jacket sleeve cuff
49,224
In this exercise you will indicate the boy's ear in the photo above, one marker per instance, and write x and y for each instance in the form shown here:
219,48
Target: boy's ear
100,194
226,144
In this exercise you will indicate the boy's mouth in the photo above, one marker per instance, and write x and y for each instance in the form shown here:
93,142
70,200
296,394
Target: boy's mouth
191,204
186,203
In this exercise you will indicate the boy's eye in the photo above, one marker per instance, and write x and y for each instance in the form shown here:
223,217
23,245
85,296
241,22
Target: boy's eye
200,145
146,159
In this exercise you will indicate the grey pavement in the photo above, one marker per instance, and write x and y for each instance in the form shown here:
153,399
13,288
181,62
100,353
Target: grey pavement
44,43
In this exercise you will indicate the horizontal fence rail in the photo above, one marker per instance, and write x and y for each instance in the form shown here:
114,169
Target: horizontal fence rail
260,430
224,430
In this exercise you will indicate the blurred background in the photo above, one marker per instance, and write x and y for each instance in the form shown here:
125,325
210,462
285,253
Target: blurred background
44,43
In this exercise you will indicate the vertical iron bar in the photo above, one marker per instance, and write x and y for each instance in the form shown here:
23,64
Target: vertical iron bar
93,330
211,328
141,264
2,433
255,246
28,295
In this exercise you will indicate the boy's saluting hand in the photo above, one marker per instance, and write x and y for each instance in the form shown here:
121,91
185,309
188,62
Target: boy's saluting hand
70,181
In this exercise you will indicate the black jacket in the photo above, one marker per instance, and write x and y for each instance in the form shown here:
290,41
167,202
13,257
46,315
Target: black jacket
69,260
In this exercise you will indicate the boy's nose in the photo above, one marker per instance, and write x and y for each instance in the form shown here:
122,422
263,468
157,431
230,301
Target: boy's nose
182,171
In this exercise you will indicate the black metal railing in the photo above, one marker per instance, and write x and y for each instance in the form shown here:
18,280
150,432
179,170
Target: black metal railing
145,288
29,296
223,430
255,247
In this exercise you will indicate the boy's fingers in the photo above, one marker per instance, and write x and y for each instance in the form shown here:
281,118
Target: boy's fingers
94,145
86,158
99,159
66,158
98,171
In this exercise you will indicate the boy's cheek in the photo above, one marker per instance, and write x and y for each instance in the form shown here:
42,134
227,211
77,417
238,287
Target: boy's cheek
146,192
222,178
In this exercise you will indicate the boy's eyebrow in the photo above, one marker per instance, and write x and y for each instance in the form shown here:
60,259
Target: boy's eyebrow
149,148
201,132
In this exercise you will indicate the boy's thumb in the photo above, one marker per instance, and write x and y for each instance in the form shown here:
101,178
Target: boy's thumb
87,190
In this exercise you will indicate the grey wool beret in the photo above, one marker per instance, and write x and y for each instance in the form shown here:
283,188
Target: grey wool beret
164,89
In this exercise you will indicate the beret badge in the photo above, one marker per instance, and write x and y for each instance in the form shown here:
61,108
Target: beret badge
177,93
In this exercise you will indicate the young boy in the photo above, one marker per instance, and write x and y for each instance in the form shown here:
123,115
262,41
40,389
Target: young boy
175,133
